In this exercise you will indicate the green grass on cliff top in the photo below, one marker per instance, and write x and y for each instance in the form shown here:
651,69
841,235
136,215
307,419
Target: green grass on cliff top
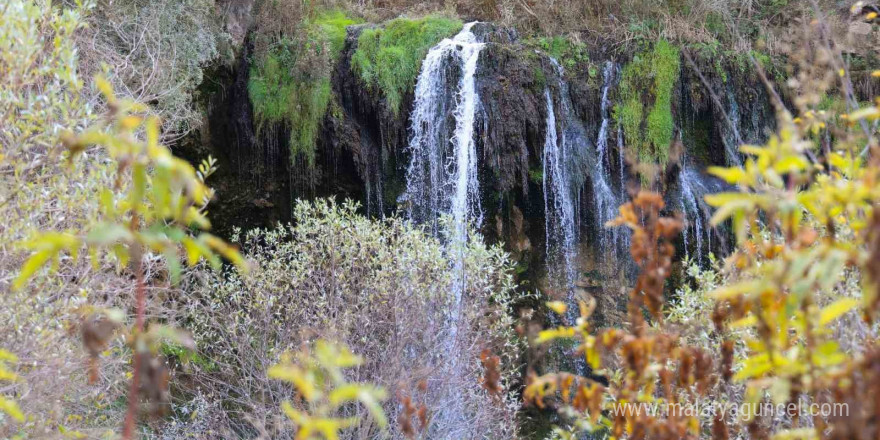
390,57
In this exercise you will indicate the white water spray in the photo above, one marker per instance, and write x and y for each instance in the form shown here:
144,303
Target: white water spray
442,175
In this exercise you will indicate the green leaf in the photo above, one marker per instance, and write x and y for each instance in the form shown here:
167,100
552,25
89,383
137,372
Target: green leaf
108,233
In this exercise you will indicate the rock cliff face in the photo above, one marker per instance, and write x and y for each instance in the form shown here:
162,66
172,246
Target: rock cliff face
362,150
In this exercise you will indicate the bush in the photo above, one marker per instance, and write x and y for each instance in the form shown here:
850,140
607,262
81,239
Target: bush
390,57
155,51
382,288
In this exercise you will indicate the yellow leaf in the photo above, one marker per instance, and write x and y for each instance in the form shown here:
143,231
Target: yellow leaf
754,366
557,333
734,290
130,122
869,113
297,377
837,309
748,321
34,263
11,408
557,306
6,356
105,88
152,131
731,175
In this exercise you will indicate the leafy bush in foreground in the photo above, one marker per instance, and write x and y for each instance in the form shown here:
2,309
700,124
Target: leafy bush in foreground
381,287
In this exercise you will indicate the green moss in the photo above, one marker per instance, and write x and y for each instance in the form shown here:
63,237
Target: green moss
290,83
645,108
186,355
570,54
540,78
390,57
666,64
536,175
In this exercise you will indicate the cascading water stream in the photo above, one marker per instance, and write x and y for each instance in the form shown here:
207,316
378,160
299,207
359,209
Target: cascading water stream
442,181
730,129
442,175
559,220
693,187
607,200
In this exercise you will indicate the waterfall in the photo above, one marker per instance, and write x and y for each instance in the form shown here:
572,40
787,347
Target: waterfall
373,178
693,187
442,175
442,182
730,130
607,200
559,218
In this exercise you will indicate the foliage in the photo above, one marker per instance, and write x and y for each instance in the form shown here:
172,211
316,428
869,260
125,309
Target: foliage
794,274
389,57
383,286
646,86
320,381
156,52
40,96
151,213
290,82
333,25
38,81
570,53
791,318
8,406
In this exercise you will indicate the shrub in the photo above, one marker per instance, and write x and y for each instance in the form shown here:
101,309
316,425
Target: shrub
390,57
380,287
41,95
47,215
156,51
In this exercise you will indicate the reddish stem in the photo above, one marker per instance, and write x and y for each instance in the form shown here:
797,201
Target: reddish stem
140,298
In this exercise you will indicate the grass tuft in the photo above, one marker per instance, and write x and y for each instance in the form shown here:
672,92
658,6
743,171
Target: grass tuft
390,57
